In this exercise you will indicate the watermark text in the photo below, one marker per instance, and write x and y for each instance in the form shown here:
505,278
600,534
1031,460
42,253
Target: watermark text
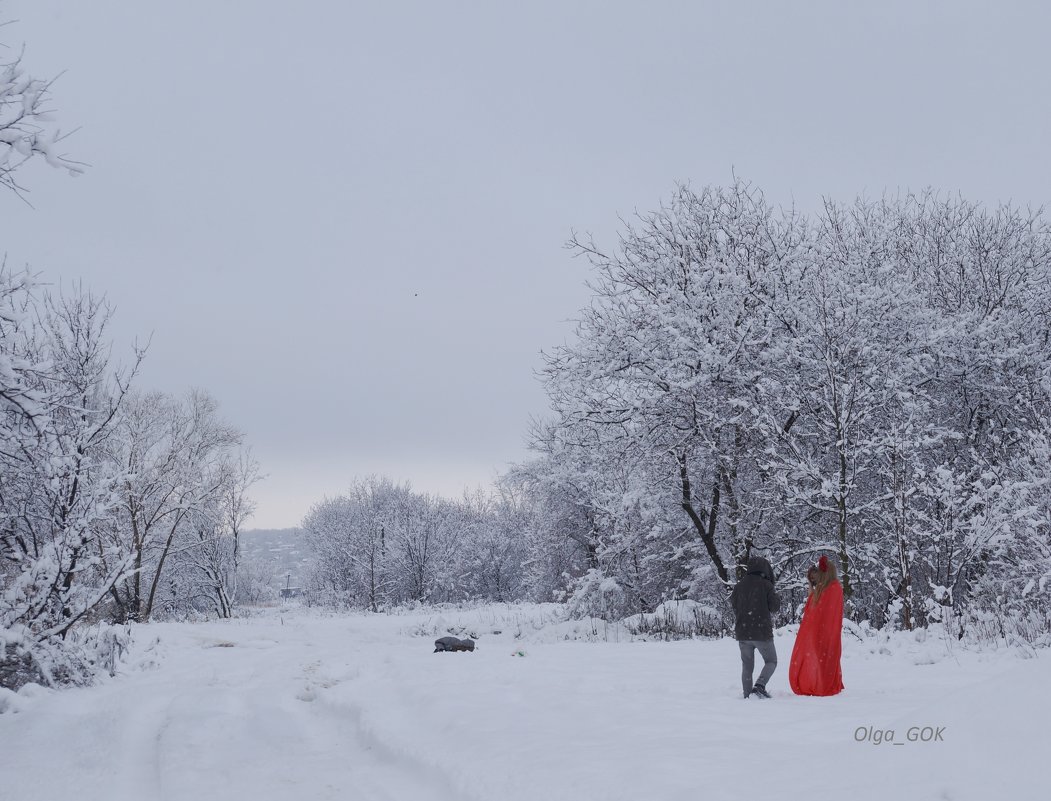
914,734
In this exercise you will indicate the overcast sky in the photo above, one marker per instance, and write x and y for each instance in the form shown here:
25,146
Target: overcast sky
346,220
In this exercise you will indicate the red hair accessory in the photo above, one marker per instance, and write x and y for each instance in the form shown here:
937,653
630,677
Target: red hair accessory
822,563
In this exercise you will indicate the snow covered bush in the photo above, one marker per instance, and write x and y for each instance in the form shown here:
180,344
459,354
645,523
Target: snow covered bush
677,620
255,583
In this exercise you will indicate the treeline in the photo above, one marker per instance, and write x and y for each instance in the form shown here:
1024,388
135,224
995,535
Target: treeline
872,382
115,505
381,544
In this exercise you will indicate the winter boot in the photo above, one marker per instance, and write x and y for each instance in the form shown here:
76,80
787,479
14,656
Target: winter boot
760,691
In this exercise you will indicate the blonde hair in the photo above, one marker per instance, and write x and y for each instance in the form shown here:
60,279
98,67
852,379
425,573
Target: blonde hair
811,579
824,576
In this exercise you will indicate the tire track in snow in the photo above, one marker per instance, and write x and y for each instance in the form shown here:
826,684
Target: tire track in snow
398,761
260,737
357,704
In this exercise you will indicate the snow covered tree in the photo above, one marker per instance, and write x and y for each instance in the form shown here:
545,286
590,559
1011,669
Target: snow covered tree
98,488
349,537
207,561
865,384
177,454
492,544
666,367
57,489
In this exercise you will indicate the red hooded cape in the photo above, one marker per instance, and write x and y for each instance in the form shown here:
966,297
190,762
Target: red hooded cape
815,669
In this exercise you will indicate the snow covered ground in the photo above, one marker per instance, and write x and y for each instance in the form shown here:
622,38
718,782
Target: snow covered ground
295,704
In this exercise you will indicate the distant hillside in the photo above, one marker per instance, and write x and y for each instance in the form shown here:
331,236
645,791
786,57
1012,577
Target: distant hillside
280,551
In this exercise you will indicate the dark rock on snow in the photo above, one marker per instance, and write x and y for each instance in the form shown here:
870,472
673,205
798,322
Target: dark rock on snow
453,644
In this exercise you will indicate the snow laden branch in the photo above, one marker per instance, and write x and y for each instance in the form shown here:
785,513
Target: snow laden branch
27,124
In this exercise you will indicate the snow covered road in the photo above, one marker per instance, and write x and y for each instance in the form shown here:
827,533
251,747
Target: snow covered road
302,706
228,716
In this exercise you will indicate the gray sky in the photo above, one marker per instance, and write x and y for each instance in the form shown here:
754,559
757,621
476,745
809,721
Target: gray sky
345,220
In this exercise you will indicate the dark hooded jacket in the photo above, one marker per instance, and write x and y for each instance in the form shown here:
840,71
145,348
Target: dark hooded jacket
753,599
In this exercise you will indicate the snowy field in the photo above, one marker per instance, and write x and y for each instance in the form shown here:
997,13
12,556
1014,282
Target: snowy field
294,704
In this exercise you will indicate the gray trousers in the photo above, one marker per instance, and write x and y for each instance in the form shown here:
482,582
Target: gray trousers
766,650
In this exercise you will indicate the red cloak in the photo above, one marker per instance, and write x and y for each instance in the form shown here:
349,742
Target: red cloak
815,668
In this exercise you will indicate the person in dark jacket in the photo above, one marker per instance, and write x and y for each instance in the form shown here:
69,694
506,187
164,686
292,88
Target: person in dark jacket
753,599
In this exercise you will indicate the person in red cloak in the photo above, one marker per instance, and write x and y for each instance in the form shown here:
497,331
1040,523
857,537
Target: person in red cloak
815,668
